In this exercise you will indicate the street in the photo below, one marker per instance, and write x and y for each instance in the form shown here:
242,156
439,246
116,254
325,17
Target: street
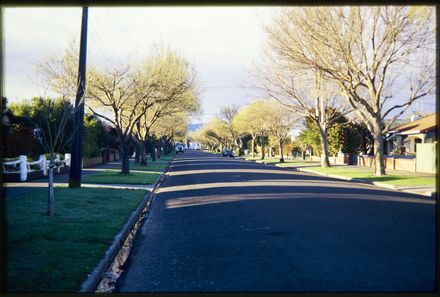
224,224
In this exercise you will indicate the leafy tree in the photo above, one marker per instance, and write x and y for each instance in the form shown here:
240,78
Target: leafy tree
343,136
227,115
336,138
124,95
52,121
170,129
353,139
253,119
299,148
18,130
310,136
176,93
281,122
116,91
47,114
94,137
213,134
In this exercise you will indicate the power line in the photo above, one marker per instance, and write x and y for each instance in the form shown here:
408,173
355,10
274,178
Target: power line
104,40
43,36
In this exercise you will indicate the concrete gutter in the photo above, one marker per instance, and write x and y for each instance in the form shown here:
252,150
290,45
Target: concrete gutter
105,274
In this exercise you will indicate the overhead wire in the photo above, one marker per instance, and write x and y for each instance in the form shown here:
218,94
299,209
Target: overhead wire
103,42
44,40
44,37
27,42
120,32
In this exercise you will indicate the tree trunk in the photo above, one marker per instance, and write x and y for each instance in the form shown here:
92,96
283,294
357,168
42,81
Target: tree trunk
137,155
253,146
165,148
280,149
159,147
125,157
379,163
153,148
143,154
50,195
324,146
262,145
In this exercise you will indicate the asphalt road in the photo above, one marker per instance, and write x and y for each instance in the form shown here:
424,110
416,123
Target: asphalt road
220,224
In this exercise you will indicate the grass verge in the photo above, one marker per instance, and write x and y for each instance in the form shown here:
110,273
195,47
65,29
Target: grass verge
55,254
151,166
158,165
112,177
395,180
287,162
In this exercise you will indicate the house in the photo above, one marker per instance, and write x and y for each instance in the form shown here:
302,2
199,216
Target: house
403,140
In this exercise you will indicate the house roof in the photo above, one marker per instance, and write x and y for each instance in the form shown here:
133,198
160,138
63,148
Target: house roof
421,125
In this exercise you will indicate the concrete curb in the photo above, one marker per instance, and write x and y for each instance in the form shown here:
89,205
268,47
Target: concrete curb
98,274
377,184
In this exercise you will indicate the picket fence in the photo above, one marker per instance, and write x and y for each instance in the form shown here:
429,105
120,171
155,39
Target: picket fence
23,167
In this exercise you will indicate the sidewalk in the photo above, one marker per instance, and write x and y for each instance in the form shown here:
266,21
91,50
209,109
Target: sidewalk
13,189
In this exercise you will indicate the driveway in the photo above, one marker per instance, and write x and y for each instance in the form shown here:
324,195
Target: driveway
220,224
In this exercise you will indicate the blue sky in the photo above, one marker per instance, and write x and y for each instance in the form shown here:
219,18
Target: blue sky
221,42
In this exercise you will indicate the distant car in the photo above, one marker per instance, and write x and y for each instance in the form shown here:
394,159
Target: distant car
227,153
179,149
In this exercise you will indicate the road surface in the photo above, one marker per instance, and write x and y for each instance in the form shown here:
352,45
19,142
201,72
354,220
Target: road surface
220,224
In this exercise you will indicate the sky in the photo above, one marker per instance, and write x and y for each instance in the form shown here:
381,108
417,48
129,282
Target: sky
220,42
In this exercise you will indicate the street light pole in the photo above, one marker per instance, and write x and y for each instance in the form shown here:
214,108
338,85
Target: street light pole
77,148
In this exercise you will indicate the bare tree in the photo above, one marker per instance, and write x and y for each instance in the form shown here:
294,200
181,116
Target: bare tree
303,92
253,119
60,74
116,91
170,128
227,115
373,54
176,93
246,122
281,122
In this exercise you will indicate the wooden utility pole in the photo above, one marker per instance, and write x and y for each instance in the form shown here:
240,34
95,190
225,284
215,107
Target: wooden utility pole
77,146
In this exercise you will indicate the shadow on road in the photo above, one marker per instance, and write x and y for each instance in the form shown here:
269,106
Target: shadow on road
228,225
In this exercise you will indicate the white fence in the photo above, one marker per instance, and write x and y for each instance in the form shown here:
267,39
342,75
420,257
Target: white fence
22,166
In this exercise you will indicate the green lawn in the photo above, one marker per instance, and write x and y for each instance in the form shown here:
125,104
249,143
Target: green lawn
395,180
158,165
55,254
115,177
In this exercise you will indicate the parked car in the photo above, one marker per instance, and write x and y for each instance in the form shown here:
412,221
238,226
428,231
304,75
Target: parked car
227,153
179,148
